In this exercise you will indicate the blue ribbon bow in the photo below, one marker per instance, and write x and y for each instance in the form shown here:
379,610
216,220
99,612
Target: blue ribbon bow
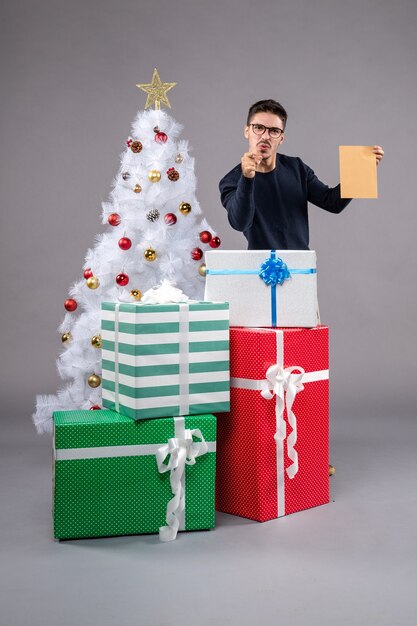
274,271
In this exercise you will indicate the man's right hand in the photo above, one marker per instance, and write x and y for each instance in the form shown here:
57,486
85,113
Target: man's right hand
249,162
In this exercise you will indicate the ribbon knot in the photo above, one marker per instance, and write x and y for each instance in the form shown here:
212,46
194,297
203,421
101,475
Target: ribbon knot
284,384
181,451
274,271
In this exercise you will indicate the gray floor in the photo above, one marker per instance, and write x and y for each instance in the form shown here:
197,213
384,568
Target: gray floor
351,562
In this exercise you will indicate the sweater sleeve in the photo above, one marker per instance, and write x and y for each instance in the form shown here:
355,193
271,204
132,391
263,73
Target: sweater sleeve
236,193
327,198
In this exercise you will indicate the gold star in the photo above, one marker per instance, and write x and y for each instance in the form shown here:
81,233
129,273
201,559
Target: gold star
157,91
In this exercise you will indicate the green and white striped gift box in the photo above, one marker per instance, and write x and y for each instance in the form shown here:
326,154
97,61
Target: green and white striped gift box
161,360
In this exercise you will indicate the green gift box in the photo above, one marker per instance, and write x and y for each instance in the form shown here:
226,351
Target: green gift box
117,476
160,360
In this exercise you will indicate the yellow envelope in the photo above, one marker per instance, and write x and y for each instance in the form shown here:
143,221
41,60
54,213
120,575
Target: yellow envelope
357,172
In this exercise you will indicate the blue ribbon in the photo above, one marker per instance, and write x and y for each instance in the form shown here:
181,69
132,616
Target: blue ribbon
273,271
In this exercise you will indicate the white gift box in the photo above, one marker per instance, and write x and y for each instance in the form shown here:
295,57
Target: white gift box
275,288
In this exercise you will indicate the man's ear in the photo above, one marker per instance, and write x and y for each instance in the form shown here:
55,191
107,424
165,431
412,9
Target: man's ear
281,139
246,132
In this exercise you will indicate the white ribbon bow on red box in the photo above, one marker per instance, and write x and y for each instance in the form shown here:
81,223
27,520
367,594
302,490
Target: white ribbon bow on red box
284,383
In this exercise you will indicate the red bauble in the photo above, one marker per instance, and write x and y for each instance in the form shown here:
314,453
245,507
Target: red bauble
95,407
114,219
161,137
205,236
88,273
70,304
122,279
215,242
170,219
196,254
125,243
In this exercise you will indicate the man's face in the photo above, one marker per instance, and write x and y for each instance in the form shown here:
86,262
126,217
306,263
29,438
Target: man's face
264,145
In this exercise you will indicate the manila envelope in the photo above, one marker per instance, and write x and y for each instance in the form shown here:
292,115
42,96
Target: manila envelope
357,172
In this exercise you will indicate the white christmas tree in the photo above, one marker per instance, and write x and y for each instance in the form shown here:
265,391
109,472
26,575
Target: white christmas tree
155,231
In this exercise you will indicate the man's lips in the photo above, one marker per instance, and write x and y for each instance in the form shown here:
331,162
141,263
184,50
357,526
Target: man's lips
263,144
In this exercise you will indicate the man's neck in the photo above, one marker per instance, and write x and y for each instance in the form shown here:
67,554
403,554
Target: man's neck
267,165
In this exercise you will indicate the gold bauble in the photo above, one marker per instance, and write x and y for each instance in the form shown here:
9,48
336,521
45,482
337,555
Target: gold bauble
332,470
93,282
185,208
94,381
135,293
154,176
150,254
96,341
202,270
66,337
179,158
137,188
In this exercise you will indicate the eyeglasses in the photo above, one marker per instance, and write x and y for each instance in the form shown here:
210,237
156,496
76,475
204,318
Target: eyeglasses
273,131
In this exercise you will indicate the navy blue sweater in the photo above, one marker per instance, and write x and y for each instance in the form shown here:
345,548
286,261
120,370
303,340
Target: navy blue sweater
271,208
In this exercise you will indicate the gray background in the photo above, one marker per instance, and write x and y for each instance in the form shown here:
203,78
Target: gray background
345,71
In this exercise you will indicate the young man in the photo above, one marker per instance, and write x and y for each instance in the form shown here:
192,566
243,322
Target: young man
266,195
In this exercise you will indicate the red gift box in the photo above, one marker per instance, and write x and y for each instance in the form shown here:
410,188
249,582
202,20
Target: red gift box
273,446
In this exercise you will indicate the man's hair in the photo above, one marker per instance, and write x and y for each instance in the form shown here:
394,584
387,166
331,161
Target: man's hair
268,106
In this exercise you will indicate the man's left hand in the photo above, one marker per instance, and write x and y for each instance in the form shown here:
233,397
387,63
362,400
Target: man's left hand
379,153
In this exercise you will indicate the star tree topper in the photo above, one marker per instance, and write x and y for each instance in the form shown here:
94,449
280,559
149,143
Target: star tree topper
157,91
